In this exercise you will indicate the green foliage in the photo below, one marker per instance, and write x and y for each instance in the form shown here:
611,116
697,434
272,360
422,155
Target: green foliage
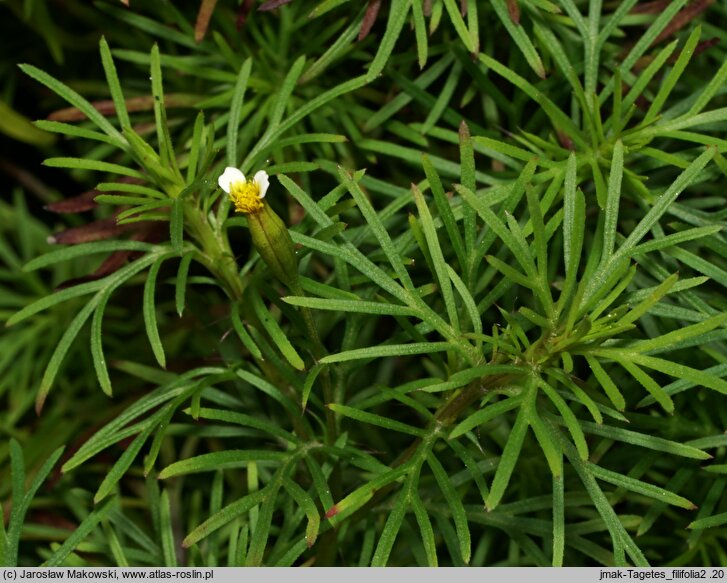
511,272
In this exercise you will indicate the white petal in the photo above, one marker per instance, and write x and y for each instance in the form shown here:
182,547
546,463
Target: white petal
230,176
261,178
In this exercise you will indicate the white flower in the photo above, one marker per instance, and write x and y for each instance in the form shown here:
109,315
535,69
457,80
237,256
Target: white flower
245,194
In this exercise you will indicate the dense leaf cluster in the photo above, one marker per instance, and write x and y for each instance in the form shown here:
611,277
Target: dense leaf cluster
508,337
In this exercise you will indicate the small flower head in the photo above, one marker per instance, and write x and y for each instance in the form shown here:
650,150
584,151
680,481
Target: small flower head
246,195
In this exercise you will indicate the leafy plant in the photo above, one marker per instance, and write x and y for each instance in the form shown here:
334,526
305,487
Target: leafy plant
508,298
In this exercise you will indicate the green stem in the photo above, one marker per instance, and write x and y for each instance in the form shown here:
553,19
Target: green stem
216,254
218,258
319,351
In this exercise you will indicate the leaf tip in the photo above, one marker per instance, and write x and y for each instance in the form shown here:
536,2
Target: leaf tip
464,131
332,511
39,402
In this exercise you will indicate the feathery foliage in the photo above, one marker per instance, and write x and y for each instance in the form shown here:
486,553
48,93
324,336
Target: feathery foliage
509,316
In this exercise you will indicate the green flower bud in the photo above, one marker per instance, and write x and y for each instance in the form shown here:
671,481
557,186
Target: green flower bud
272,241
269,234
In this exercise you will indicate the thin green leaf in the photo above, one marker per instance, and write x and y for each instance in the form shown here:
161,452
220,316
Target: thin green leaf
261,529
702,265
619,535
559,119
195,148
440,265
675,483
517,33
87,526
391,529
21,500
150,317
310,380
397,18
671,79
709,522
242,333
647,75
675,239
568,418
640,487
176,225
608,386
550,449
167,531
612,202
373,419
303,499
468,180
377,227
523,256
643,440
351,306
245,420
454,501
233,123
558,521
442,101
484,415
510,455
61,350
445,210
681,334
180,284
714,85
681,371
96,165
648,221
459,25
224,516
467,299
420,32
73,131
649,384
82,249
124,462
77,101
208,462
112,78
279,338
363,494
645,41
166,149
385,350
97,353
425,528
647,303
573,227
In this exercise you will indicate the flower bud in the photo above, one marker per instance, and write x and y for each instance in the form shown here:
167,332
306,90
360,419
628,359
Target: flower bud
269,234
272,240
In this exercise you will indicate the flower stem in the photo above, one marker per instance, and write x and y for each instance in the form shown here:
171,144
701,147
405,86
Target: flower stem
216,252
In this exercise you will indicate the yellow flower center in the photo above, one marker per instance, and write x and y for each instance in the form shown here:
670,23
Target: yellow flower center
246,196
